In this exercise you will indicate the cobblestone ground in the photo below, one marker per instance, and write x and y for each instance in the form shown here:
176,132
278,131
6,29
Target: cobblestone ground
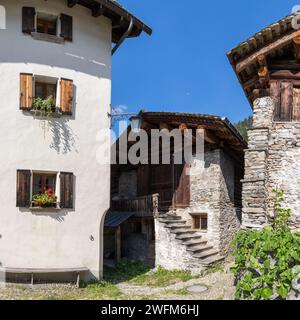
219,284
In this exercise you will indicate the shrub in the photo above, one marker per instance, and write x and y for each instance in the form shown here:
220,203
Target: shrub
265,259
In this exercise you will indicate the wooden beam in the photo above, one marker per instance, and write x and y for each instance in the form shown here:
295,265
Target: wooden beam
98,10
264,77
262,60
266,50
296,44
163,125
72,3
183,127
208,136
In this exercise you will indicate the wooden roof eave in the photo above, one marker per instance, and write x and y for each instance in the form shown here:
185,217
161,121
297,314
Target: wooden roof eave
116,13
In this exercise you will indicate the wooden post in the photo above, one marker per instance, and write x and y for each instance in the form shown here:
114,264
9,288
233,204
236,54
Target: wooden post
118,244
78,280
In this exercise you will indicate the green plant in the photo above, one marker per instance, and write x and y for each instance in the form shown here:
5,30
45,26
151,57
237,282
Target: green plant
45,199
265,259
45,109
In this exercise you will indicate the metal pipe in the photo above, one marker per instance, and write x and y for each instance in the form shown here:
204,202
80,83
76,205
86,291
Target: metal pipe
125,35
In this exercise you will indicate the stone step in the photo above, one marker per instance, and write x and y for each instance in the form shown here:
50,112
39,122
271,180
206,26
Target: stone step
166,221
200,249
177,226
212,260
196,242
206,254
169,217
182,231
186,237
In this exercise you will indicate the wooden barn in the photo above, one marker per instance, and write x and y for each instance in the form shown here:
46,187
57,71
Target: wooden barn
169,209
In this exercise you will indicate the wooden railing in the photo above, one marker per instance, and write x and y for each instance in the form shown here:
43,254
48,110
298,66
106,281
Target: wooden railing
147,204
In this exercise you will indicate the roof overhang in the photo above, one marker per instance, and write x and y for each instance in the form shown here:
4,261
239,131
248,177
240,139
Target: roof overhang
251,58
218,131
119,16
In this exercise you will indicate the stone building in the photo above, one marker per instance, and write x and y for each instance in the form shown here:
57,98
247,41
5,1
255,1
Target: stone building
55,89
268,68
187,217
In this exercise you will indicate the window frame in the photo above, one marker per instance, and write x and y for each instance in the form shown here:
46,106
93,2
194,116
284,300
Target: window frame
47,22
57,185
198,219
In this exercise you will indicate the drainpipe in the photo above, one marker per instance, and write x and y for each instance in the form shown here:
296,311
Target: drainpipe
125,35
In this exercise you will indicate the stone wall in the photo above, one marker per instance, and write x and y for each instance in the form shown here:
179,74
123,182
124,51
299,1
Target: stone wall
255,181
171,253
283,165
212,192
271,162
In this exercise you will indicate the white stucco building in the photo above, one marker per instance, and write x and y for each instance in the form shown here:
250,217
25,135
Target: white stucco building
62,49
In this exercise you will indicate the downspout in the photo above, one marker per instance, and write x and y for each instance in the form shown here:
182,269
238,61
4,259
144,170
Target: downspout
125,35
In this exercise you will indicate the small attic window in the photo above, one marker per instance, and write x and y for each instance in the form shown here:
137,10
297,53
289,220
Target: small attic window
47,23
2,18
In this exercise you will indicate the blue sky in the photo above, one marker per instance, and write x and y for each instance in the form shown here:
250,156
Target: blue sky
183,66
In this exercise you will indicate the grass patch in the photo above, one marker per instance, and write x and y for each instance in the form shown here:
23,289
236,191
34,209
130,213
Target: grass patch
101,290
162,278
217,267
125,271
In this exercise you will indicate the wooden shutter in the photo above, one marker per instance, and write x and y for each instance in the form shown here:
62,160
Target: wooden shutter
296,104
28,19
276,95
286,101
26,91
66,96
181,185
66,190
143,182
23,188
66,27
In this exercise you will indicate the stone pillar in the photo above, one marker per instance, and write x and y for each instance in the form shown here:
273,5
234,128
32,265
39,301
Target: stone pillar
255,182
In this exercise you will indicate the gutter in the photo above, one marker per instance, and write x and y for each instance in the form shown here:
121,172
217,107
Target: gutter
123,38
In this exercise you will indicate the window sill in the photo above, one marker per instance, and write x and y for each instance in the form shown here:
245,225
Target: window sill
56,114
47,37
44,209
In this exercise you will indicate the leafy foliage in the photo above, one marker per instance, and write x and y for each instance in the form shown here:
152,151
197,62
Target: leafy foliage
265,259
45,199
44,107
243,127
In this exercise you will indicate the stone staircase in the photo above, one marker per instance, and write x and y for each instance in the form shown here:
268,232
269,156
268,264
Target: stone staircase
200,249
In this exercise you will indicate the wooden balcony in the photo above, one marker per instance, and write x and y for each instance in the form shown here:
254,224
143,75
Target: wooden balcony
146,204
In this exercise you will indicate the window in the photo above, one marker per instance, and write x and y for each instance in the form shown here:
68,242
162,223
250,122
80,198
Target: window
45,90
36,86
47,24
42,183
286,95
2,18
33,183
39,24
200,221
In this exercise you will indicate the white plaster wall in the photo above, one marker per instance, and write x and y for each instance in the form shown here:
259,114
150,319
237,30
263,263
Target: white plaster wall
63,239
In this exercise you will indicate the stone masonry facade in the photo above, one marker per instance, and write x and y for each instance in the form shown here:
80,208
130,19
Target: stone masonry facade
212,192
271,162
